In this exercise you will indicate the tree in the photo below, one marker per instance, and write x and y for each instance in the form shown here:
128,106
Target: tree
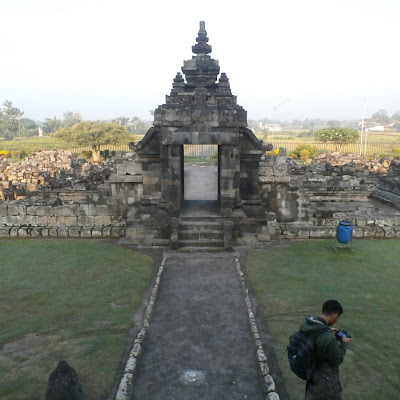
395,116
71,119
94,134
10,120
381,116
123,121
137,126
337,136
52,125
28,127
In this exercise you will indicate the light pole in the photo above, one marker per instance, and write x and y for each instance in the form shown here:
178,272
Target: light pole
274,113
362,126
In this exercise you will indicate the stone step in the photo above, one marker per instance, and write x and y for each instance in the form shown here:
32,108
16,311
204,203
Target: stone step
189,249
200,225
201,243
203,218
200,234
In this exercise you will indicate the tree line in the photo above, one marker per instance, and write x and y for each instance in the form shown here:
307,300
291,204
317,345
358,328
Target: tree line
12,123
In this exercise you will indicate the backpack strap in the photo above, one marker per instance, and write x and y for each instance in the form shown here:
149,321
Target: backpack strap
315,336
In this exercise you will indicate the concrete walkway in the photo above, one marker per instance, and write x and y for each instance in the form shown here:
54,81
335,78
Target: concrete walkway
199,344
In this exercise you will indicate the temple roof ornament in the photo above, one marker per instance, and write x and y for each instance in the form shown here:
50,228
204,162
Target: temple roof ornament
202,48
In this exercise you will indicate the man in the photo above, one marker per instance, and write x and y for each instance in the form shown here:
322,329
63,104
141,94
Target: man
330,350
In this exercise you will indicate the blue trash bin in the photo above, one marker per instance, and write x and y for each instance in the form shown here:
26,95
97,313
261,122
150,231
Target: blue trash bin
344,232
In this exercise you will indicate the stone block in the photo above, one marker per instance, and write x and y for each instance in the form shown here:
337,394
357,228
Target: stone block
368,232
102,210
117,231
36,231
379,232
86,231
389,232
70,221
302,233
102,220
23,231
92,210
96,231
45,232
74,231
3,209
58,211
62,231
52,221
358,232
16,209
264,238
85,220
40,210
5,231
14,231
53,231
134,169
322,232
106,232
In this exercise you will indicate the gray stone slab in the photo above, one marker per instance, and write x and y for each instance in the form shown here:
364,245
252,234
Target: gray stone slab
198,344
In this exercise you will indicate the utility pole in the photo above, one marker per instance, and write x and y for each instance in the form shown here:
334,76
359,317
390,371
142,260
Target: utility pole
275,113
362,127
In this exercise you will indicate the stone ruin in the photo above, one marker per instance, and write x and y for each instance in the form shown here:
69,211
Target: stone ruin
140,196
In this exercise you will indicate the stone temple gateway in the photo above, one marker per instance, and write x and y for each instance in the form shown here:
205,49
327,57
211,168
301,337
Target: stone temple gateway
199,110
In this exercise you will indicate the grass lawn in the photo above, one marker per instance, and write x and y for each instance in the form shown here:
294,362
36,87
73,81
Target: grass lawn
293,281
70,299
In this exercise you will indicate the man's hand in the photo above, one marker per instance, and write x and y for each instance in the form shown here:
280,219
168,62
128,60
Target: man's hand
347,340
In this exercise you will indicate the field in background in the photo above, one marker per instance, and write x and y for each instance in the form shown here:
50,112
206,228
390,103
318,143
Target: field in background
66,299
383,144
293,281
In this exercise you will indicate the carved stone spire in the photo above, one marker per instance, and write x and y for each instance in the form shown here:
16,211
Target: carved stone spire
202,48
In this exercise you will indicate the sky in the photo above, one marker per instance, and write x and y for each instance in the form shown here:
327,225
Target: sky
105,59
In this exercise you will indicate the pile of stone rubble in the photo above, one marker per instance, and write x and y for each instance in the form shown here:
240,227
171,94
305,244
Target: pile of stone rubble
375,163
52,170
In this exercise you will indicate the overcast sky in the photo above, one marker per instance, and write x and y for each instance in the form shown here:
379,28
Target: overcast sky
113,58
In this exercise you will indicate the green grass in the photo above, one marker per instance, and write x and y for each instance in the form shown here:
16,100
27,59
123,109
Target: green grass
293,281
65,299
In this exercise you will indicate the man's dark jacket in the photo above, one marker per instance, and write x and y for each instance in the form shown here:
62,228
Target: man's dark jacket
324,383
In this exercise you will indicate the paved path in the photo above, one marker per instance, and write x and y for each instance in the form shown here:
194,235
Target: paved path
199,344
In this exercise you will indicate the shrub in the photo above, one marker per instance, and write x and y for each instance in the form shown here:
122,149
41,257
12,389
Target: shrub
312,150
87,154
396,151
304,154
338,136
4,154
18,154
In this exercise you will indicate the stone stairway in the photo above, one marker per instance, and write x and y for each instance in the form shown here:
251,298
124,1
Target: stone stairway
201,233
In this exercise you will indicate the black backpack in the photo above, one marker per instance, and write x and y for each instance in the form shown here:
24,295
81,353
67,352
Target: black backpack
302,353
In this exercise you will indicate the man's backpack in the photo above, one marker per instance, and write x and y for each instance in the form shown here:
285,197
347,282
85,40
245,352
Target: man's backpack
302,353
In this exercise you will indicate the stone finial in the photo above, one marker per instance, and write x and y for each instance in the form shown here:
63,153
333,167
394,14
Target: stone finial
223,80
202,48
178,81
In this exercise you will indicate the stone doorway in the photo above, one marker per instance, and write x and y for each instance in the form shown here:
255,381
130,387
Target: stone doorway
200,173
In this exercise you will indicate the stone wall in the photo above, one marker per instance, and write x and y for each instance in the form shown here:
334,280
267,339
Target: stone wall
71,197
308,201
388,189
44,218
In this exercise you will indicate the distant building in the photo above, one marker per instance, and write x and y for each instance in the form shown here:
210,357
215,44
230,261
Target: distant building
372,125
273,127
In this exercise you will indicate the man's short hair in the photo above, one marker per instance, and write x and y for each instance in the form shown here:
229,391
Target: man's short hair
332,307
